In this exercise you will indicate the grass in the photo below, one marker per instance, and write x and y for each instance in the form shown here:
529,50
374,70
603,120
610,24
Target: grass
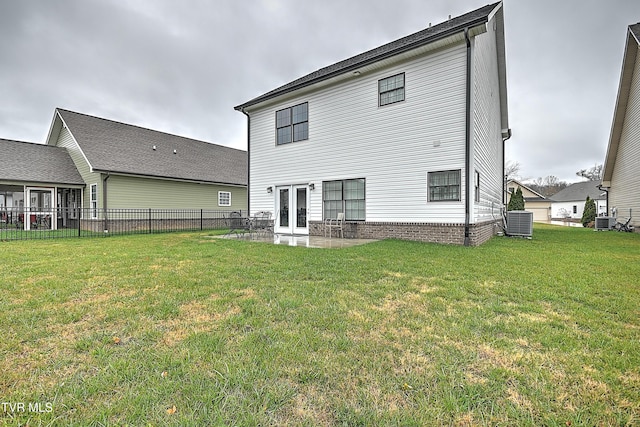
182,329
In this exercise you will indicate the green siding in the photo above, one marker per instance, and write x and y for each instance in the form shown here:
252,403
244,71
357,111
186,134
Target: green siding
135,192
66,140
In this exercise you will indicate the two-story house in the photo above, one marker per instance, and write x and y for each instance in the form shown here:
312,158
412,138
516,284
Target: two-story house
621,173
407,139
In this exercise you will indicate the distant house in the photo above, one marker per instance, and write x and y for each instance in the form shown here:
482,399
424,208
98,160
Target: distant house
406,140
115,165
534,202
621,174
568,203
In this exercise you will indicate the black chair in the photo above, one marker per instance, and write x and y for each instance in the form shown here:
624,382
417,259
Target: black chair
238,224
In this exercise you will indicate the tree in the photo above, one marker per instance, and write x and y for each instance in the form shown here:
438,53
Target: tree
592,174
511,170
589,213
517,201
547,186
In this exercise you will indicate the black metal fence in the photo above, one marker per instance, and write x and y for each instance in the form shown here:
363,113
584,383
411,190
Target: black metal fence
16,224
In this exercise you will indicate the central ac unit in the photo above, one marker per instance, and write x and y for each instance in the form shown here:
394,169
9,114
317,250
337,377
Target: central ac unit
519,223
604,223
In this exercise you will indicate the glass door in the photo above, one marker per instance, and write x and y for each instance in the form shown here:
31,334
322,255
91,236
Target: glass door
292,207
40,213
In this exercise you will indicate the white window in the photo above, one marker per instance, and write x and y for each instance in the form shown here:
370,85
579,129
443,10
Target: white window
94,201
476,186
391,89
224,198
292,124
444,186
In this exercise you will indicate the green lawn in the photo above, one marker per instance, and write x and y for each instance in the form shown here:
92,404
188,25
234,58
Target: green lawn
182,329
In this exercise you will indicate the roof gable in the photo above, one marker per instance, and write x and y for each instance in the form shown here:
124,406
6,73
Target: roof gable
632,46
120,148
532,192
415,40
37,163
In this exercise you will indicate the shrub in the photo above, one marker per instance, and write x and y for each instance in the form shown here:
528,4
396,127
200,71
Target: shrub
517,201
589,213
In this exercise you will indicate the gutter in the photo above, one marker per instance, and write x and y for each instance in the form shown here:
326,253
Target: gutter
467,155
243,110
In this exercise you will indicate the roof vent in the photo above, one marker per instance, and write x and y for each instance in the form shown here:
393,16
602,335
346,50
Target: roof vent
449,17
154,148
175,151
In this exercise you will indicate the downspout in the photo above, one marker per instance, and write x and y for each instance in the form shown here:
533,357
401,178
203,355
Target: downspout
606,190
104,203
467,159
248,158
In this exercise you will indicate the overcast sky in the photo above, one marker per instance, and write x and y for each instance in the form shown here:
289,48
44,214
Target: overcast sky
181,66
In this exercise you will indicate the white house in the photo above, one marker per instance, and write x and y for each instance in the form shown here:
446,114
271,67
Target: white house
569,202
406,139
621,173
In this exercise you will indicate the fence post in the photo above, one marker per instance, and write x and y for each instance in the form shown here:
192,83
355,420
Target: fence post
149,220
80,216
201,213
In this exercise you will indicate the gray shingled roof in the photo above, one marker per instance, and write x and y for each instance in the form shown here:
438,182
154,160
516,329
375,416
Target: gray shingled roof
635,29
36,163
116,147
404,44
579,192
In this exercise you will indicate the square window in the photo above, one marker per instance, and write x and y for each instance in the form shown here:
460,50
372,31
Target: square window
292,124
224,198
443,186
346,196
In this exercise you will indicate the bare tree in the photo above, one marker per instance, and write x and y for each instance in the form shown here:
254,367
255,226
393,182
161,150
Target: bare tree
592,174
547,186
511,170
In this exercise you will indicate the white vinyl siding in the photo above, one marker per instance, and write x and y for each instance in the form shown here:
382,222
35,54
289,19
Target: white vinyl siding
625,179
392,147
487,140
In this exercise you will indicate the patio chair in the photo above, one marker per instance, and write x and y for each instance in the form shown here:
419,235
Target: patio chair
238,224
334,224
262,223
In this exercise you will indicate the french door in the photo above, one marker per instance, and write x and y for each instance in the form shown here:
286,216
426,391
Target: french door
291,206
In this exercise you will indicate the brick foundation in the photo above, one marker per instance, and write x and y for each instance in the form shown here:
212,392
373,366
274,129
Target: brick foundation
422,232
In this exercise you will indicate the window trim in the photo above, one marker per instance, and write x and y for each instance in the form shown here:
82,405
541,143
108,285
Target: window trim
429,174
292,125
404,91
476,186
93,203
220,193
343,200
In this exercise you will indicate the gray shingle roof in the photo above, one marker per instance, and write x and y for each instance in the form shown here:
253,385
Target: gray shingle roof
635,29
404,44
116,147
579,192
37,163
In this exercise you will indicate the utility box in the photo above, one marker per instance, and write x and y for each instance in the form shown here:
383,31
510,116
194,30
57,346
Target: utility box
604,223
519,223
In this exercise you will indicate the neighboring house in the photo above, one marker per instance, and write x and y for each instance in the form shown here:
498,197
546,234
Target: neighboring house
568,203
34,180
534,202
621,173
391,138
121,166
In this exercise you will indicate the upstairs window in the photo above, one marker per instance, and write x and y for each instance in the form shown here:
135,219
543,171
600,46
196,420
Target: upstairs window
444,186
292,124
391,89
